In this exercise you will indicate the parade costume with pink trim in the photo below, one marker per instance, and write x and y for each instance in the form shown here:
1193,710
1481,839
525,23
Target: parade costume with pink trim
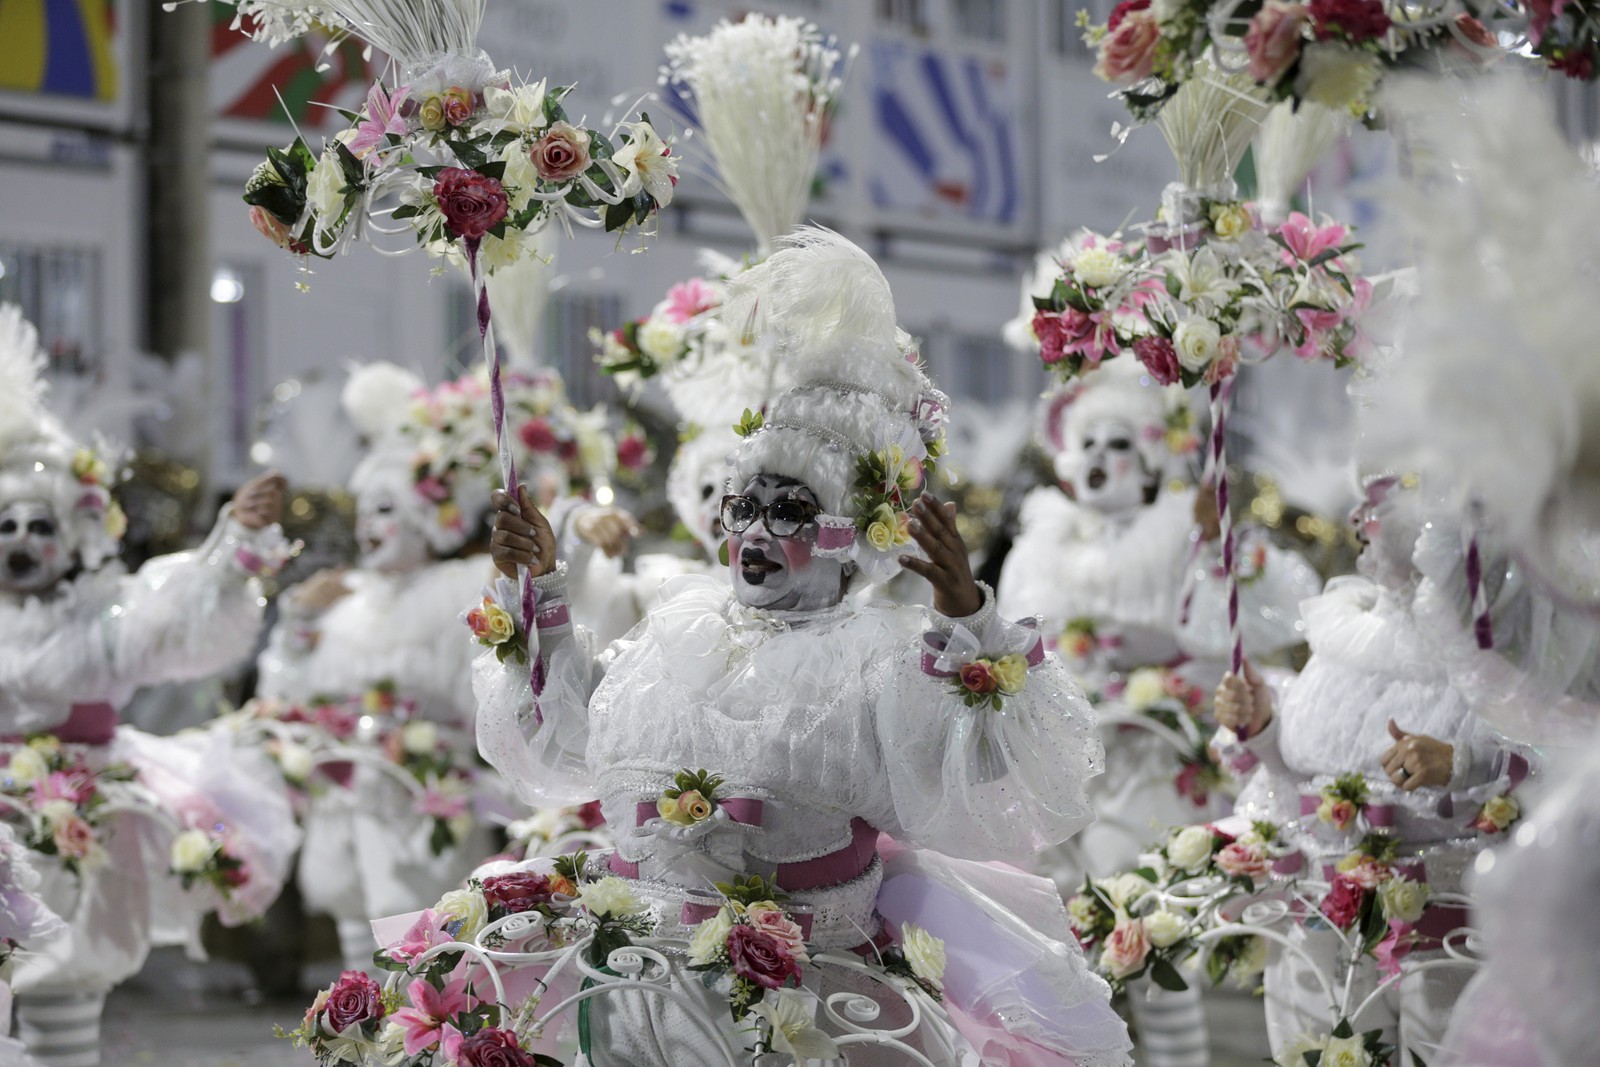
131,833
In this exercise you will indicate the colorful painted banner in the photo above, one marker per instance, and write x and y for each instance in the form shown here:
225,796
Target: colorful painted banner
59,48
254,83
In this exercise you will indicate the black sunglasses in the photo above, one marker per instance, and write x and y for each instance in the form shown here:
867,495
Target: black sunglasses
784,518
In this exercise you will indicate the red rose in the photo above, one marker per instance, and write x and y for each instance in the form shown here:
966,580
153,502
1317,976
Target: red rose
472,203
537,435
590,815
562,153
492,1047
1578,65
1123,10
1342,905
979,678
354,998
631,452
1191,785
516,892
760,957
269,226
1354,20
1159,358
1047,328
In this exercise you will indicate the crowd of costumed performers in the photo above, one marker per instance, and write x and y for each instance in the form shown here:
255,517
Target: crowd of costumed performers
800,789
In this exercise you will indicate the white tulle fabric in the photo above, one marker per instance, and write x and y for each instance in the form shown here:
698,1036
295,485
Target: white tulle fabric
106,633
1269,605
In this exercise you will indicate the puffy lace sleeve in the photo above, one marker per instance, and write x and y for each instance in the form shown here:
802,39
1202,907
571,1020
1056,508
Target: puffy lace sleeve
193,614
539,741
988,744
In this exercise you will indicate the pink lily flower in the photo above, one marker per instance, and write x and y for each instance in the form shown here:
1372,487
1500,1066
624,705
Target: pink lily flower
441,805
1307,240
688,299
428,931
430,1012
381,118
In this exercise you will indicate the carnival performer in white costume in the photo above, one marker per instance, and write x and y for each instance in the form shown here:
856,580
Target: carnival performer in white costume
827,724
1373,738
25,919
119,821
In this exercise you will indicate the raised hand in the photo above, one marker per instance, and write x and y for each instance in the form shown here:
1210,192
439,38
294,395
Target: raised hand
1416,760
606,528
933,526
258,503
522,535
319,592
1243,705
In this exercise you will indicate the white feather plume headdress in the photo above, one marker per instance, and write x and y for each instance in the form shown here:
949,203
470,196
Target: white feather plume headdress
1498,387
22,386
859,423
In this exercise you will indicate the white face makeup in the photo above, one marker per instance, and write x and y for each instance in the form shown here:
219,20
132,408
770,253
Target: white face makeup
1388,537
388,537
1111,476
33,555
782,572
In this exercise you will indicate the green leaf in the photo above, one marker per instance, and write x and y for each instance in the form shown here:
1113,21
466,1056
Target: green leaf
1343,1030
494,168
618,215
1165,975
406,211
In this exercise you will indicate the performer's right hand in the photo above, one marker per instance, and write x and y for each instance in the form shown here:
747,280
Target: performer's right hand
522,535
1243,705
319,592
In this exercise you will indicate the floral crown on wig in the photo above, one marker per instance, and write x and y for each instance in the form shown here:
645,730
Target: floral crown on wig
858,421
40,460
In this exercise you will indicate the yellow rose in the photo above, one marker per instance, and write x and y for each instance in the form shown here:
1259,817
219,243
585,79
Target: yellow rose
1083,911
1402,899
1349,862
1190,848
500,626
27,766
880,536
761,907
190,851
1164,928
1011,672
1230,220
668,809
1502,811
1145,687
924,952
610,896
116,521
431,114
694,805
55,812
46,744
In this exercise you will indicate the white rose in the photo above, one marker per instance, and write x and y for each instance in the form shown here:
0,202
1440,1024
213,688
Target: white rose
1098,268
1249,963
26,766
710,938
1124,889
519,109
468,906
1339,78
325,189
1196,340
1402,899
660,339
1190,848
1293,1054
1165,928
924,952
1346,1052
190,851
420,737
1145,687
296,761
521,177
54,811
611,897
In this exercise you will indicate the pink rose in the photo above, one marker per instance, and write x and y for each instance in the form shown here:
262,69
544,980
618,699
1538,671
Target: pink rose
1159,358
338,720
977,677
537,434
1048,329
472,203
355,998
516,892
1191,785
492,1047
589,815
457,105
781,927
1368,873
437,805
1341,813
1354,20
760,957
562,153
478,623
1128,53
1243,861
268,226
73,837
1342,906
1272,40
1126,948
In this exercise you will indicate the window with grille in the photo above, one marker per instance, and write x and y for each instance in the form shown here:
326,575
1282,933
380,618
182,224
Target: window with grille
59,290
908,15
984,20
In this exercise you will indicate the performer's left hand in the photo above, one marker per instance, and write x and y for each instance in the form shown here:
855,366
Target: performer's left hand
1416,760
259,502
933,526
609,529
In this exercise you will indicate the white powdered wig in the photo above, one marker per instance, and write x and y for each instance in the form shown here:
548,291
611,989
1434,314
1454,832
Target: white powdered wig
378,398
852,385
1498,389
697,479
1121,390
761,89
